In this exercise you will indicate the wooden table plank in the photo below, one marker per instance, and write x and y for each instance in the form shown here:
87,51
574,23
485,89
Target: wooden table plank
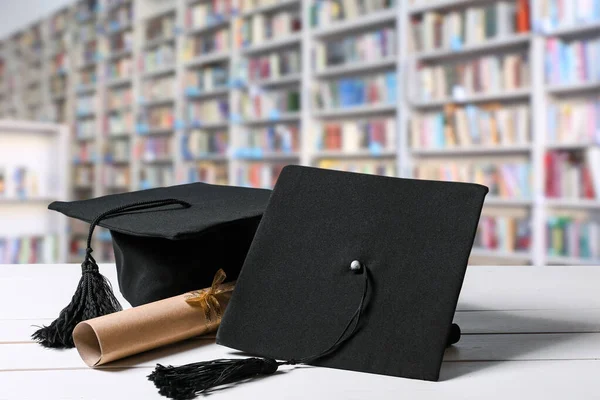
471,322
498,347
459,381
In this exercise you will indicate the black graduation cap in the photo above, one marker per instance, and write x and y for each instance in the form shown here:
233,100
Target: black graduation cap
167,241
349,271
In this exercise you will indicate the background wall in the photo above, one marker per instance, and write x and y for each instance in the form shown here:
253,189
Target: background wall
14,15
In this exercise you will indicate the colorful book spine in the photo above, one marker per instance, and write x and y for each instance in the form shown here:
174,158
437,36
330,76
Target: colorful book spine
506,180
574,121
258,174
117,151
155,149
86,105
504,233
325,12
84,152
366,47
261,27
208,13
271,66
158,89
121,68
116,177
208,172
19,182
206,79
572,61
87,77
118,99
198,143
278,138
552,14
475,25
374,135
363,166
159,57
85,129
29,250
208,112
257,104
152,176
487,125
157,118
83,176
573,175
569,236
162,27
481,75
200,45
353,92
120,124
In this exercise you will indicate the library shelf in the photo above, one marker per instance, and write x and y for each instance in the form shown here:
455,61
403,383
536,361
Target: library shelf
573,88
584,204
117,5
58,97
583,28
278,81
85,88
270,156
280,5
119,110
571,146
115,55
512,95
119,28
370,20
517,40
157,132
169,69
565,260
83,139
27,200
159,41
208,126
355,154
283,117
207,157
81,187
209,27
204,59
273,44
116,82
87,65
356,67
443,5
156,102
157,160
474,150
119,136
507,255
208,94
502,202
362,110
117,162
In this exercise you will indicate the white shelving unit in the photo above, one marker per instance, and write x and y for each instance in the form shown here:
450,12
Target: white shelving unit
23,202
537,95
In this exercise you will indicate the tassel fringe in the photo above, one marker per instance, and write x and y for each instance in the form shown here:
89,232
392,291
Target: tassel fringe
187,381
93,298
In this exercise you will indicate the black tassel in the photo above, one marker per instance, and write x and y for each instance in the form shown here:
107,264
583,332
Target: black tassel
93,298
187,381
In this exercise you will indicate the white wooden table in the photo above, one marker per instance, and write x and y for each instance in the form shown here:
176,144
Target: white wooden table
529,333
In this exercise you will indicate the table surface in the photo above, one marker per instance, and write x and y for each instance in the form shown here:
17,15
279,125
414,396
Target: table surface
528,332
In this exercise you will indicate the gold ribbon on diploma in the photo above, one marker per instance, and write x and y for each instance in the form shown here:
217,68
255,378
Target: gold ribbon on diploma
206,298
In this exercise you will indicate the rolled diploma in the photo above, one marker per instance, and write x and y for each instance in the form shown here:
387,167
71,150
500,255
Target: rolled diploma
138,329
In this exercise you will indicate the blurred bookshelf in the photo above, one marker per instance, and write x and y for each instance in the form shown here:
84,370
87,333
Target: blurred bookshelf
501,92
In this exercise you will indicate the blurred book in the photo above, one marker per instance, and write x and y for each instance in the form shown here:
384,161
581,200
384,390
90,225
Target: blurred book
572,61
208,172
363,166
458,126
204,44
207,112
375,135
278,138
505,179
158,89
573,175
352,92
574,120
208,13
575,236
480,75
325,12
504,233
365,47
159,57
257,103
206,79
552,14
198,143
270,66
258,174
263,27
29,250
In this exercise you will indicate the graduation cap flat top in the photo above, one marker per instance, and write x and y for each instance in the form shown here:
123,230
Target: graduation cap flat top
296,291
167,250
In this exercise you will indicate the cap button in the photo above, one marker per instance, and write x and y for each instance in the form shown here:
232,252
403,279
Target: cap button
355,266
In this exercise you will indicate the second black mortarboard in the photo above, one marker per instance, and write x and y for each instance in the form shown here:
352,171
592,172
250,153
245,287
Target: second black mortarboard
167,241
349,271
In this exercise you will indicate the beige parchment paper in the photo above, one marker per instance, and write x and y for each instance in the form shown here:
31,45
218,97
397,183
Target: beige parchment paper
138,329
